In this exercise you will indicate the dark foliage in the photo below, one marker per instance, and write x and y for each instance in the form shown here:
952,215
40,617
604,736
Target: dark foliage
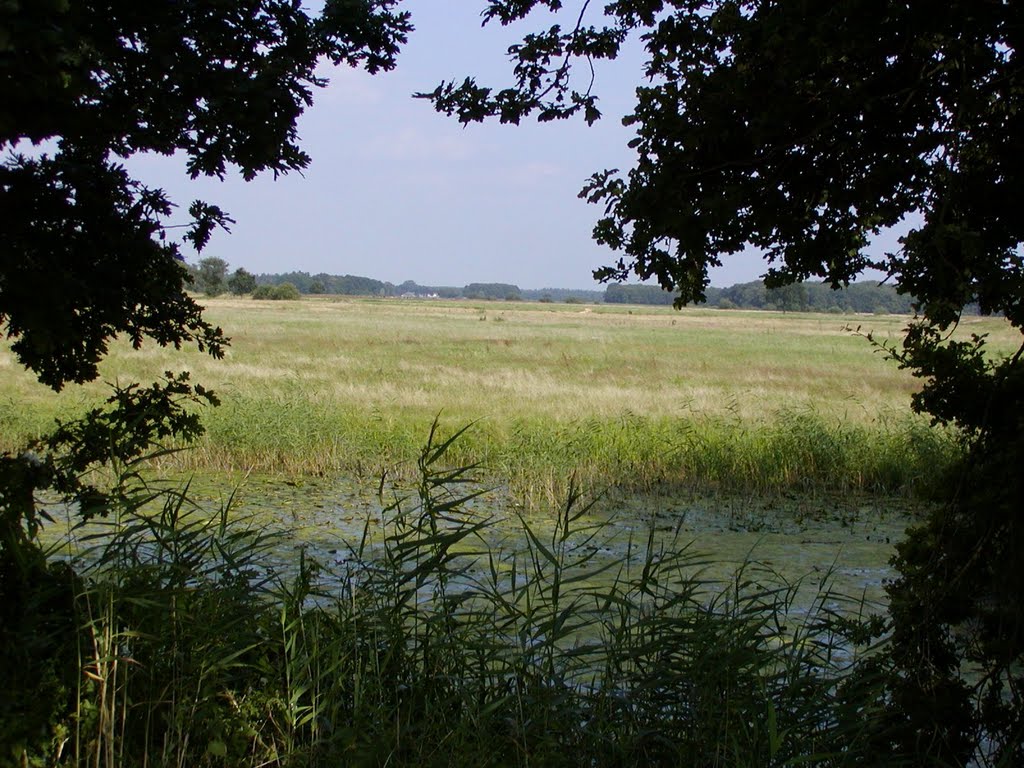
241,282
344,285
85,252
279,292
581,295
83,261
498,291
617,293
863,297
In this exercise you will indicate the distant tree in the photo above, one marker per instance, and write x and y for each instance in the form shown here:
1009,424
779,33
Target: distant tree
493,291
241,282
362,286
301,280
560,294
618,293
712,296
345,285
326,282
352,285
286,292
281,292
752,295
211,275
789,298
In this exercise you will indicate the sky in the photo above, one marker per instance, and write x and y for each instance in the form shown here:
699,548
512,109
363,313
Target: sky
398,192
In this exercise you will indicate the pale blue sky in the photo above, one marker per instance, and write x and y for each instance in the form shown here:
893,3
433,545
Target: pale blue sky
397,192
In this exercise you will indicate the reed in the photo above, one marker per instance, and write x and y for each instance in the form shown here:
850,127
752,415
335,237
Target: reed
788,451
434,644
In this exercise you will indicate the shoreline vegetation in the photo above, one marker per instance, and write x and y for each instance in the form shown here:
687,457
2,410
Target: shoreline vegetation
435,647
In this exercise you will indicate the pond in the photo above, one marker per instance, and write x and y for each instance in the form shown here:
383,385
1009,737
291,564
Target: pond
842,542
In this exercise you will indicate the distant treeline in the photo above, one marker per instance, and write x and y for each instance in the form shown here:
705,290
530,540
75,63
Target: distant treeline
868,296
353,285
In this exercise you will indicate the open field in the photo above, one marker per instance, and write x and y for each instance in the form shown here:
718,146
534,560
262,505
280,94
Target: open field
737,568
627,396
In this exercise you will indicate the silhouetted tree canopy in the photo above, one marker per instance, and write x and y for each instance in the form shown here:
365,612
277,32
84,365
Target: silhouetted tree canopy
801,131
86,253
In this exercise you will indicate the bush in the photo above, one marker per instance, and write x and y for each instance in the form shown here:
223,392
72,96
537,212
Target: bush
286,292
282,292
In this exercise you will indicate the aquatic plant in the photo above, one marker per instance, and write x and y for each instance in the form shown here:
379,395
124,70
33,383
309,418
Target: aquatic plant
196,643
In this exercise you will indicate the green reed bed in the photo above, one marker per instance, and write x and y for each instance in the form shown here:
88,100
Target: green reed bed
191,643
789,451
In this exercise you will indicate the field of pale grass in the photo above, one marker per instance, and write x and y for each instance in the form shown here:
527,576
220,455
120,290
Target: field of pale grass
619,396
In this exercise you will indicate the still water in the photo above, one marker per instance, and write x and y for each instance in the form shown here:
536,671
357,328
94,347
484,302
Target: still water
846,541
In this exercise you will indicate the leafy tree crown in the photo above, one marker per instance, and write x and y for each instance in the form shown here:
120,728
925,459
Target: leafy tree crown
86,249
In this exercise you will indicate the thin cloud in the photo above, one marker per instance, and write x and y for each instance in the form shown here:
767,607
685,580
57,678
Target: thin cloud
533,173
412,144
349,86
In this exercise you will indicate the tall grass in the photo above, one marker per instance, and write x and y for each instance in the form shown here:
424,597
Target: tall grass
790,450
435,644
638,397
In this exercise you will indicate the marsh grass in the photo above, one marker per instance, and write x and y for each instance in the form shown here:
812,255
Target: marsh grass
631,397
799,451
432,645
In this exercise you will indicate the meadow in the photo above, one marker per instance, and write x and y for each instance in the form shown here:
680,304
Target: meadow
387,589
619,397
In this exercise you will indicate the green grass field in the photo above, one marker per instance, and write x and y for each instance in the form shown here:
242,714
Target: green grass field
619,396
